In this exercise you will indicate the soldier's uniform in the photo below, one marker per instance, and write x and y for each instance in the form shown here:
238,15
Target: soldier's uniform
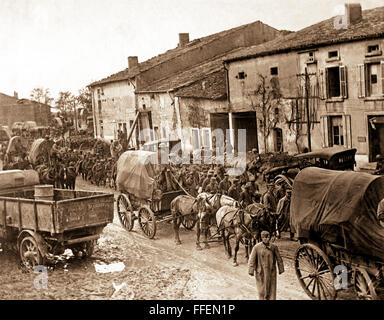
269,199
206,181
234,190
212,187
224,185
245,195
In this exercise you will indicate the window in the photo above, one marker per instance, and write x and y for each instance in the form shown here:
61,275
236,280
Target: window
206,138
195,137
370,79
99,105
336,82
373,48
337,138
333,54
336,130
274,71
241,75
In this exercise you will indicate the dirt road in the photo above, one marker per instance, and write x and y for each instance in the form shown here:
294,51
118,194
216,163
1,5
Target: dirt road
153,269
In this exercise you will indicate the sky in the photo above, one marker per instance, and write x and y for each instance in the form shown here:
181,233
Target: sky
64,45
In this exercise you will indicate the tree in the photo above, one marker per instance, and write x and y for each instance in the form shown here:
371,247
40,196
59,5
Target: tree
65,102
266,101
41,95
84,99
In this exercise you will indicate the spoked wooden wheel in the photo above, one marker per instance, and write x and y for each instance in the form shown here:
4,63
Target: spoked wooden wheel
125,212
314,272
147,221
29,253
188,221
364,285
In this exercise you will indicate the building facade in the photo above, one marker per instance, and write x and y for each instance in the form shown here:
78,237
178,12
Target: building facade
120,98
329,77
13,109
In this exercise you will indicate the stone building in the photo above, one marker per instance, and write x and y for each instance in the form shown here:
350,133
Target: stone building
341,97
146,92
13,109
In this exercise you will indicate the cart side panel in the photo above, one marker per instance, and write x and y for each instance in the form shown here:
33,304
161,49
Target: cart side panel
84,212
12,213
45,218
28,215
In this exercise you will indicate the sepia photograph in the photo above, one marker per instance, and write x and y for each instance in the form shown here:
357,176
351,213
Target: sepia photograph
197,152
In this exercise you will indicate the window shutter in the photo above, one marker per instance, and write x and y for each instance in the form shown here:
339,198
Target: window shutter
326,84
324,129
347,132
322,86
361,80
343,82
382,77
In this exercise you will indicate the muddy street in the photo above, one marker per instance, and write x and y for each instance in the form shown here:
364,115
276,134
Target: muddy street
152,269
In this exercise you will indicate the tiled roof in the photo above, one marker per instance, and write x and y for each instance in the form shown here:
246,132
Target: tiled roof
185,77
213,86
129,73
320,34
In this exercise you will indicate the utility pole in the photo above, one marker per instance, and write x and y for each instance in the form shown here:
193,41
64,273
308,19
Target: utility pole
307,83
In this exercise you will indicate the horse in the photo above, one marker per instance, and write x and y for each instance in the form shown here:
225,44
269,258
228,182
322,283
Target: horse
47,176
265,220
70,177
181,206
209,204
240,223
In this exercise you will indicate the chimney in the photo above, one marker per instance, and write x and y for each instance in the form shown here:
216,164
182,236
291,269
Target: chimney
133,61
15,94
183,39
353,13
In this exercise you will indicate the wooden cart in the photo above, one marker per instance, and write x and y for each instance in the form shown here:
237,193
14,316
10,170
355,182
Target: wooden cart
139,200
333,213
42,226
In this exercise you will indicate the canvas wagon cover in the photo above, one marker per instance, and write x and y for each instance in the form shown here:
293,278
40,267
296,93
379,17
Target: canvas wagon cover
136,172
39,146
326,202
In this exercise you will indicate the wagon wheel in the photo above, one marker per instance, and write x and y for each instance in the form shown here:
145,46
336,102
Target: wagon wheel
364,286
125,212
29,253
188,222
147,221
315,272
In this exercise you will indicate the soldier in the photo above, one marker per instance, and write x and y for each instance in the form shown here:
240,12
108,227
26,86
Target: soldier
282,212
245,198
207,180
269,199
234,190
262,264
213,186
225,184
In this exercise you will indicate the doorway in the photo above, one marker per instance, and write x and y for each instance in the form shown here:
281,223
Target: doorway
247,121
376,136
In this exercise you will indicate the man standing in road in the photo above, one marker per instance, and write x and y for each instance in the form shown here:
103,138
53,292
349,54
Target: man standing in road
262,264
